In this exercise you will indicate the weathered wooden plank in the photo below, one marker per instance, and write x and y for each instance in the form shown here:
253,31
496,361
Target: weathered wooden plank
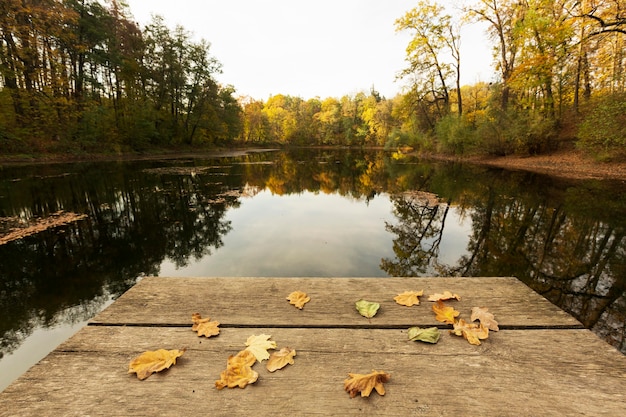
515,372
262,302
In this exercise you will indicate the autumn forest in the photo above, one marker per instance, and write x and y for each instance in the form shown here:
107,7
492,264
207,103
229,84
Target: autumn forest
80,76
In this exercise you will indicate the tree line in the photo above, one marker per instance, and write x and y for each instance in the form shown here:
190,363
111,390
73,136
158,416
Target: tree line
76,74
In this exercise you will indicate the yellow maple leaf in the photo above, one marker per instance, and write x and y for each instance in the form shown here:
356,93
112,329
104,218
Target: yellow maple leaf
446,295
204,327
365,383
486,318
298,299
238,372
259,345
472,332
149,362
280,359
409,298
444,313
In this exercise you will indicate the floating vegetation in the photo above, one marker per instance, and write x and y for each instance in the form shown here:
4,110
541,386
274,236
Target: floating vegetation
19,229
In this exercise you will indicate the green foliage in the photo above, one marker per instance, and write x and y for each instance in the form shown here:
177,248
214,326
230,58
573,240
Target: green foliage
455,135
603,130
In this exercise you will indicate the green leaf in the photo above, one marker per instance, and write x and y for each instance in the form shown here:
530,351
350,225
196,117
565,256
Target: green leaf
429,335
367,308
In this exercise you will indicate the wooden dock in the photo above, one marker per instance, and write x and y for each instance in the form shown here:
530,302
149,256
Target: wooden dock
541,362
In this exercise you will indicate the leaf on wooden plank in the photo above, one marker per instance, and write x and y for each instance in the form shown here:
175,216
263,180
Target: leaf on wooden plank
367,308
204,327
409,298
486,318
298,299
151,361
278,360
472,332
428,335
259,346
446,295
239,372
365,383
444,313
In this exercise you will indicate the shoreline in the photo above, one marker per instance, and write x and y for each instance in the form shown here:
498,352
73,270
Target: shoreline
569,164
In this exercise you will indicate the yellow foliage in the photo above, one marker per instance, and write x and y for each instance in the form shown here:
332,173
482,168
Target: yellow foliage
409,298
149,362
365,383
280,359
444,314
298,299
239,372
204,327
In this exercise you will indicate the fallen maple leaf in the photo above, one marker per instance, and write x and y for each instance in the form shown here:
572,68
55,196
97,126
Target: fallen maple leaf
204,327
367,308
472,332
280,359
149,362
366,383
239,372
486,318
429,335
298,299
446,295
259,345
444,313
409,298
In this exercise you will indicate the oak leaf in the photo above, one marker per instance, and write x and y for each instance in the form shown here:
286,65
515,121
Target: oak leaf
239,372
204,327
444,313
409,298
446,295
298,299
149,362
486,318
367,308
280,359
365,383
472,332
429,335
259,345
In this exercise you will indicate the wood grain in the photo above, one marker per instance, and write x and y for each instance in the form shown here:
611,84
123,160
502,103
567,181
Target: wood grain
262,301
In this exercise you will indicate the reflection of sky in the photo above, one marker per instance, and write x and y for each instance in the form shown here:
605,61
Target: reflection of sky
309,234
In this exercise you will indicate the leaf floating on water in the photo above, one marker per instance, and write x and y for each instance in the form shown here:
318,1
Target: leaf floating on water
472,332
259,346
444,313
239,372
367,308
280,359
298,299
150,362
446,295
486,318
204,327
428,335
409,298
365,383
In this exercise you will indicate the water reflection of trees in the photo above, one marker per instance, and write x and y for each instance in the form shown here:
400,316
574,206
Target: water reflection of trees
135,221
566,240
569,251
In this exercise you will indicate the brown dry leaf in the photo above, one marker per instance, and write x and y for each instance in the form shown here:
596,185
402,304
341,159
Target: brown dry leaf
472,332
444,313
366,383
447,295
280,359
259,345
151,361
204,327
409,298
298,299
239,372
486,318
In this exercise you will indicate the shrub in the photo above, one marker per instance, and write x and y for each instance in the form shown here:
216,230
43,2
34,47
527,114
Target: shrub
603,130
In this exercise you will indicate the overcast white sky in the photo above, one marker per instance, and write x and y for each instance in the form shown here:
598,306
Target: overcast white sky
322,48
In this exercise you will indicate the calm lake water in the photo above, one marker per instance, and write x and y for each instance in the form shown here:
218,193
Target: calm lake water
302,213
